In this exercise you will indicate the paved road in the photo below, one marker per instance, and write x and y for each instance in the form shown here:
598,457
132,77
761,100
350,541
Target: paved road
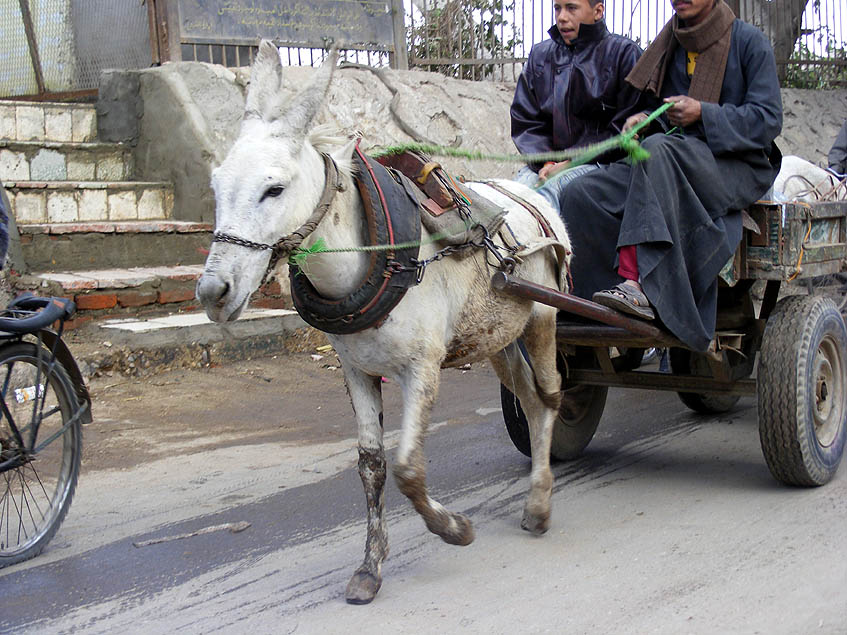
670,523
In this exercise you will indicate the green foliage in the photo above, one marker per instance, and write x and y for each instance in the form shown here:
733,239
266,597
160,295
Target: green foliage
807,69
464,29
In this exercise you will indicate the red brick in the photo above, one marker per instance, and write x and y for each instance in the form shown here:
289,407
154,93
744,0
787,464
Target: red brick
272,288
96,301
176,295
78,320
135,298
271,303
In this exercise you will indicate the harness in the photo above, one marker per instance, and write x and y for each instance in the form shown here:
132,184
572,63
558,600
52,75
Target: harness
392,219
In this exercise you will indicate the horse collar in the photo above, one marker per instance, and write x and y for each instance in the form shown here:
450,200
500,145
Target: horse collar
285,245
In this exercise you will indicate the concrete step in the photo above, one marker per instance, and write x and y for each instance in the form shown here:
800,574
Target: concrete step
108,244
83,201
64,161
36,121
138,347
136,293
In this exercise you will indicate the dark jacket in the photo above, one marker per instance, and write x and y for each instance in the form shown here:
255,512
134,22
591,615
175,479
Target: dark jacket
838,153
574,95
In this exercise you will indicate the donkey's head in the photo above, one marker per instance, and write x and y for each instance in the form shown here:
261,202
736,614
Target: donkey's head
267,187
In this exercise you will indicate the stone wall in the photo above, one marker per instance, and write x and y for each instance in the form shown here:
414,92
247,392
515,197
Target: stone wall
182,118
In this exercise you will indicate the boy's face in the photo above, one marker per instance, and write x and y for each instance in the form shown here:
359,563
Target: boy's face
571,13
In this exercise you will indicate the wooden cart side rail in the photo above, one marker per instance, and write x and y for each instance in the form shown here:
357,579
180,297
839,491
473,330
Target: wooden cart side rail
662,381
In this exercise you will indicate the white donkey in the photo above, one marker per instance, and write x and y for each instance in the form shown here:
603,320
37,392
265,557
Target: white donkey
269,185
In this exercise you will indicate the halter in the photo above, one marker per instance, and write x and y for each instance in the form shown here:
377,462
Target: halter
285,245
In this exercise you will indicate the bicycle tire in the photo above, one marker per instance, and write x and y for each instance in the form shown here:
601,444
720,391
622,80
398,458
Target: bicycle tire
35,495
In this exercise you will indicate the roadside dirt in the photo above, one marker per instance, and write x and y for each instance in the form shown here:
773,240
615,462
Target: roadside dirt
285,398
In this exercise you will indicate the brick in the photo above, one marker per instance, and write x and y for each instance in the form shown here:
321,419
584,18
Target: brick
48,165
122,206
80,169
30,208
135,298
77,321
57,124
84,124
271,303
110,168
8,128
13,166
176,295
30,123
92,301
271,288
151,204
62,208
93,206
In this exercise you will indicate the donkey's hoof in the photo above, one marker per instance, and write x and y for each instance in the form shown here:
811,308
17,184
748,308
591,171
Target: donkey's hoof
362,588
535,524
460,531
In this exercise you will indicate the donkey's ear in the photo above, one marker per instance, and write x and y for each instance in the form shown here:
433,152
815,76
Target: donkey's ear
265,79
305,105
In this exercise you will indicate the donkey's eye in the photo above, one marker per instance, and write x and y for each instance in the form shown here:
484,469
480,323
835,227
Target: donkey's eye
272,192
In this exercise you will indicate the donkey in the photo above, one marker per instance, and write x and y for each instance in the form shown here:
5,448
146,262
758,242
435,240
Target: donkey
269,184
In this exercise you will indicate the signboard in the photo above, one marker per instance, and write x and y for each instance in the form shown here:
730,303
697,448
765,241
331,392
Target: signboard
294,22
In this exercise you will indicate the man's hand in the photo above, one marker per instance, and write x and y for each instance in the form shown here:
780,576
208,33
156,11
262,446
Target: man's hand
684,112
632,121
550,169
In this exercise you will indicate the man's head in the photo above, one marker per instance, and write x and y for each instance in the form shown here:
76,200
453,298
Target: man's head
571,13
693,12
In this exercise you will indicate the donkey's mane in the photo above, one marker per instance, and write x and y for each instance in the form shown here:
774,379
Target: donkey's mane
327,138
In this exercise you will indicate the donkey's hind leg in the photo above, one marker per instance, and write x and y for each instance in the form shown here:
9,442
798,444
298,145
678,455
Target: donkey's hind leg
538,388
366,396
420,388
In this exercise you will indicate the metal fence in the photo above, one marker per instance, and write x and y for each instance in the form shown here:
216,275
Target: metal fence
490,39
53,48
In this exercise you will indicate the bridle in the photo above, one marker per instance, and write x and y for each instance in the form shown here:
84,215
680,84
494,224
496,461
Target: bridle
285,245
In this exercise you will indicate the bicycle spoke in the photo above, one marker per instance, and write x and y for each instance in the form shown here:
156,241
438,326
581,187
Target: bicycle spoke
26,483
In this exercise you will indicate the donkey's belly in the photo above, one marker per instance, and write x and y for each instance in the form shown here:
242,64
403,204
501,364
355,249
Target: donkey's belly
486,326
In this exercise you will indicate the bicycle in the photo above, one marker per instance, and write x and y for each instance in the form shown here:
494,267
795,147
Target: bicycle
43,404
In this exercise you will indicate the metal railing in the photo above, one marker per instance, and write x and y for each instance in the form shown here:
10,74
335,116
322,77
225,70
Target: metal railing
490,39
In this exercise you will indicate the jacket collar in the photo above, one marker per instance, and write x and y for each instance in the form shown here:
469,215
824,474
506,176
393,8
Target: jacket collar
588,34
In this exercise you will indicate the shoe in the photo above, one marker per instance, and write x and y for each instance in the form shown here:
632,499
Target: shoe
627,299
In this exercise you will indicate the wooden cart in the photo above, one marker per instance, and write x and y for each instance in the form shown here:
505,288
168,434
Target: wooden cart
788,348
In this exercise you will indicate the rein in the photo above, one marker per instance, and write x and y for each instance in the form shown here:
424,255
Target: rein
287,244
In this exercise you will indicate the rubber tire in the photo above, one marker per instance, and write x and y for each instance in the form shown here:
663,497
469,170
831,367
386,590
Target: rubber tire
573,428
704,403
27,352
805,341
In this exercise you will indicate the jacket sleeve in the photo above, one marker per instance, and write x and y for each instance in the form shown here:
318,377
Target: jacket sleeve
838,154
630,99
532,129
756,122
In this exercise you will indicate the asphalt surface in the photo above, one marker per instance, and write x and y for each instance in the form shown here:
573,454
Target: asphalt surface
669,523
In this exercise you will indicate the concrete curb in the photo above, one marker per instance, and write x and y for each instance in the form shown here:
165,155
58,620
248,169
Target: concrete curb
144,347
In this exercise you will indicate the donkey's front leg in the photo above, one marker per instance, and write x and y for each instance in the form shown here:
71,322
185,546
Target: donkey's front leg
366,396
420,388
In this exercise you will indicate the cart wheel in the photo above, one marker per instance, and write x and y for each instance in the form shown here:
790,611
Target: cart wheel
580,412
802,391
685,362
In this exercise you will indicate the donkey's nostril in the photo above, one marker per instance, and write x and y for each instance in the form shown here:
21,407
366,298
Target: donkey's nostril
212,290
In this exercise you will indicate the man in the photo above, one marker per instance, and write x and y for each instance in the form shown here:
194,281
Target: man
838,153
572,90
667,225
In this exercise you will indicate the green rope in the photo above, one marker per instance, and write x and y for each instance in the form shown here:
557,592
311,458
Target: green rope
578,156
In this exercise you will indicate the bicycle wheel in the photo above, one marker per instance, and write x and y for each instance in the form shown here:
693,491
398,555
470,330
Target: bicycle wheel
40,448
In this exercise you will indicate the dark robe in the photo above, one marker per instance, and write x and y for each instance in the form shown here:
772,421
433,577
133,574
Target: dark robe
574,95
681,206
838,153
